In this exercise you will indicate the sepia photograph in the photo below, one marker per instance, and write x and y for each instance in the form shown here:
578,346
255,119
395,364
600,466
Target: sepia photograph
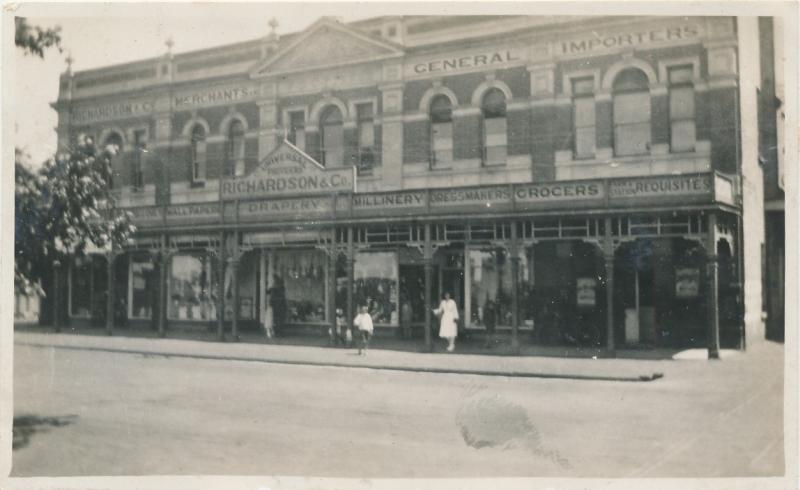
398,245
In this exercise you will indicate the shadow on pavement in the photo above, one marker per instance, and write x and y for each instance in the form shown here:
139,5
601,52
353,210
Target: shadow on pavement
27,425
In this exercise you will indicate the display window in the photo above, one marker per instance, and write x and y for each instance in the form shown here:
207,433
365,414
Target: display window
303,275
377,285
141,286
192,288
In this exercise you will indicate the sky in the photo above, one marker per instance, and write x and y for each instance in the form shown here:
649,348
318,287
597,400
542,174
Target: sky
118,33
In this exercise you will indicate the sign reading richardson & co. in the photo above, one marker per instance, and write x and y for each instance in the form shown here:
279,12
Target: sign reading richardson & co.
288,171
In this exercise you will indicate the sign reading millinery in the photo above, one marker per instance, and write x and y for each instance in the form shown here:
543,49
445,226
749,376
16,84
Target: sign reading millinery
389,200
679,185
606,41
687,283
288,171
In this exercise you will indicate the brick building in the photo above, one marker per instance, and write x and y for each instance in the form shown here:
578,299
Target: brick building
604,163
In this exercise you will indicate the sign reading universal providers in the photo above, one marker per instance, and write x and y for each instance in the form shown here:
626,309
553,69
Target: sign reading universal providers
287,171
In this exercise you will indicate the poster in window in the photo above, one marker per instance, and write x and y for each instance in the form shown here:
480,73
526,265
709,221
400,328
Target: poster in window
246,308
687,283
586,295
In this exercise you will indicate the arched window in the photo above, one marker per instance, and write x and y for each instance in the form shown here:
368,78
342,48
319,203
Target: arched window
495,136
441,114
236,148
114,140
681,108
583,116
198,145
631,113
332,137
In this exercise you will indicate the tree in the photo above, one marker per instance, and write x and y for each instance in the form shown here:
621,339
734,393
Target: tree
63,209
33,39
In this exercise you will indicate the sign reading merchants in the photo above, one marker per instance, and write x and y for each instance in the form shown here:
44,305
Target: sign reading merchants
288,171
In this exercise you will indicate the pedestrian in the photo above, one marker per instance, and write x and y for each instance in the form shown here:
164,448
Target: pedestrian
341,327
489,321
406,318
277,301
448,318
363,321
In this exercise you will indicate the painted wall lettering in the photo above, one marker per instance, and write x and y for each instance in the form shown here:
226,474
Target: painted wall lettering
111,111
618,40
464,62
215,96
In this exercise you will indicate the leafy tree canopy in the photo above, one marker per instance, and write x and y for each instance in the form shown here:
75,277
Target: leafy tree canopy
33,39
63,209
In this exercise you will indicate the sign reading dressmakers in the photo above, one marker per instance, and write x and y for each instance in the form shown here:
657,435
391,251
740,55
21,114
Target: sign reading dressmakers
287,171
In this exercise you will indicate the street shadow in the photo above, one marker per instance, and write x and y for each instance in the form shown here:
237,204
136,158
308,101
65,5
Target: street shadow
28,425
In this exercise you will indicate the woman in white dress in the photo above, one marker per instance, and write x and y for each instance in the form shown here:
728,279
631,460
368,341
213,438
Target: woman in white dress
448,316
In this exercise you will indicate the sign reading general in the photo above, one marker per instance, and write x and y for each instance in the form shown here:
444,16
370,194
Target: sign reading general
465,61
288,171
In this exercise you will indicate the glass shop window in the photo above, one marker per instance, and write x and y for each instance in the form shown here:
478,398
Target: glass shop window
376,285
81,288
304,276
192,288
141,287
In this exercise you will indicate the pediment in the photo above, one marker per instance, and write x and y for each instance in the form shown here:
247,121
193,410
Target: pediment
287,159
327,43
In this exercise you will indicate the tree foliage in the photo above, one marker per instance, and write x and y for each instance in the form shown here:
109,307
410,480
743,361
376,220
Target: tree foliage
35,40
63,209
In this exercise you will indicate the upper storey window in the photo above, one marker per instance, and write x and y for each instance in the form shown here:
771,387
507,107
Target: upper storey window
631,113
140,148
236,148
198,155
441,114
495,135
681,108
297,129
366,138
583,116
332,137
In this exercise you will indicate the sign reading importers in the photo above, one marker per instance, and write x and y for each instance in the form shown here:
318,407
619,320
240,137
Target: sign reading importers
288,171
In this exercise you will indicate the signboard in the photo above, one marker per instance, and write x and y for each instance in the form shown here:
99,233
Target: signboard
300,208
389,202
667,186
82,115
483,197
147,214
287,170
213,96
687,283
586,294
605,41
464,61
193,211
560,191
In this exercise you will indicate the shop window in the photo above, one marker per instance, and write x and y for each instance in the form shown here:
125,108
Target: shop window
681,108
141,286
140,149
80,288
377,285
297,129
366,138
198,155
303,275
490,288
583,116
332,137
631,113
236,148
495,135
441,114
114,143
192,288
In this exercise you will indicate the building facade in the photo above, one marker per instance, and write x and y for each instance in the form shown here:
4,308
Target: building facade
551,172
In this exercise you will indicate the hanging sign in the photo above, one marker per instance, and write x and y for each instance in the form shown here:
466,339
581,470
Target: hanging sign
586,294
687,283
287,170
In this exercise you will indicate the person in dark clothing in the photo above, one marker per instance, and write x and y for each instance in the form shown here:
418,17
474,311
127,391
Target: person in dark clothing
277,301
489,321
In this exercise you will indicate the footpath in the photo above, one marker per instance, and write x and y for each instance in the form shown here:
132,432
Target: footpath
553,363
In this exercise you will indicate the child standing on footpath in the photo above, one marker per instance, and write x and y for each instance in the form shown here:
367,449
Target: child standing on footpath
363,321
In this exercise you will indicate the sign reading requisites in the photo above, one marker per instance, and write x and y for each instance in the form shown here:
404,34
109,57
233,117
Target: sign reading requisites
286,171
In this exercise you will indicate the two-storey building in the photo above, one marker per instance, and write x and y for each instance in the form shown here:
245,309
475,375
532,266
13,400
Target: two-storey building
591,171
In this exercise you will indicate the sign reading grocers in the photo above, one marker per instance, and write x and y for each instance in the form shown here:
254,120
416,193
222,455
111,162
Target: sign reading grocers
287,171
